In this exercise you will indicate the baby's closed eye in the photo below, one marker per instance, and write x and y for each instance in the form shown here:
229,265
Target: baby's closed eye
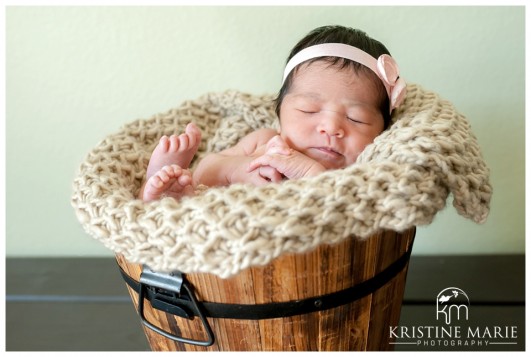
308,110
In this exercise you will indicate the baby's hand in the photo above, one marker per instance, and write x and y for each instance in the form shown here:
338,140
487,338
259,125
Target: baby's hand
286,161
260,176
263,174
268,174
276,145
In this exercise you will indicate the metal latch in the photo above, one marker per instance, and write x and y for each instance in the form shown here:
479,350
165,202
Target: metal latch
169,292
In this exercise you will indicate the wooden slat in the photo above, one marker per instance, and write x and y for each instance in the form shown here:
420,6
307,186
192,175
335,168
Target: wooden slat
387,308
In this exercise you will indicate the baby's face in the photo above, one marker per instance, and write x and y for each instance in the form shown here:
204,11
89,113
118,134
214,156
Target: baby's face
330,114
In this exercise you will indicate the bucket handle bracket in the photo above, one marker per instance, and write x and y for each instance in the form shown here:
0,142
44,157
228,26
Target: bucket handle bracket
170,288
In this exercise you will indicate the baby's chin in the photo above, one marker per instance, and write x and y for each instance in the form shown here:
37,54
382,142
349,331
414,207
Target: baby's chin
329,164
335,164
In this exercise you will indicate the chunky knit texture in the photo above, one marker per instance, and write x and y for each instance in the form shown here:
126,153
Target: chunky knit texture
401,180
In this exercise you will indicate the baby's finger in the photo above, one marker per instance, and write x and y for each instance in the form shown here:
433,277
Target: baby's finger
255,179
263,160
259,181
270,174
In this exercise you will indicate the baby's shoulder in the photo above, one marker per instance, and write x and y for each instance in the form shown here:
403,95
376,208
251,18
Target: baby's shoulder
255,140
262,136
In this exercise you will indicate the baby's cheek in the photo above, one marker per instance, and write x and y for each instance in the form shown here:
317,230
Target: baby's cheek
357,150
287,139
352,155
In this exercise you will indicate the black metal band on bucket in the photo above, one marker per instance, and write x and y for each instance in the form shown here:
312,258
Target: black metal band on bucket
183,306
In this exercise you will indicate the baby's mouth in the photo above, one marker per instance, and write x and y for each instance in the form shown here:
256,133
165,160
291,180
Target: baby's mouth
326,156
328,151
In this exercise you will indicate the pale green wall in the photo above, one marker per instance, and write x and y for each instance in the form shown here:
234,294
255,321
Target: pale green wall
76,74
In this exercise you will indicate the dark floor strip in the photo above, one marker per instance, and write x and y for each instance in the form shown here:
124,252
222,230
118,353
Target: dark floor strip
67,298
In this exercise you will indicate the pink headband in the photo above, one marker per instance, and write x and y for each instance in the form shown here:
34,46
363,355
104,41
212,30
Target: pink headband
385,67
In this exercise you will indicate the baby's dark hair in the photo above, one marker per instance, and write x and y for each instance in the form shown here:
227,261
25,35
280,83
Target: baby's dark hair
348,36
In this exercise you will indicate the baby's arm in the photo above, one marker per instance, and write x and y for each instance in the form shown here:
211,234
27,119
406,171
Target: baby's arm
288,162
230,165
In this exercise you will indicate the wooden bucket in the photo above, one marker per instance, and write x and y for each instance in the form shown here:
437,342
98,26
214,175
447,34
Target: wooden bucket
372,272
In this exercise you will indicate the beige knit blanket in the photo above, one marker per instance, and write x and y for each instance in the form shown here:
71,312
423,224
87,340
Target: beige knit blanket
401,180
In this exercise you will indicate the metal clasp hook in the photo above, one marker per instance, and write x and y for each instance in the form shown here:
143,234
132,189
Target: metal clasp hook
170,292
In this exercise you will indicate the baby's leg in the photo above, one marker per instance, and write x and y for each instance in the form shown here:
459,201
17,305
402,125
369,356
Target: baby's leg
170,181
175,150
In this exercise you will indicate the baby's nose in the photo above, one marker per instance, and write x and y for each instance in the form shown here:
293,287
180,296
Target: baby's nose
332,124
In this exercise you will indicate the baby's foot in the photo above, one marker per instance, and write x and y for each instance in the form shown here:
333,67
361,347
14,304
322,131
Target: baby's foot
178,150
170,181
